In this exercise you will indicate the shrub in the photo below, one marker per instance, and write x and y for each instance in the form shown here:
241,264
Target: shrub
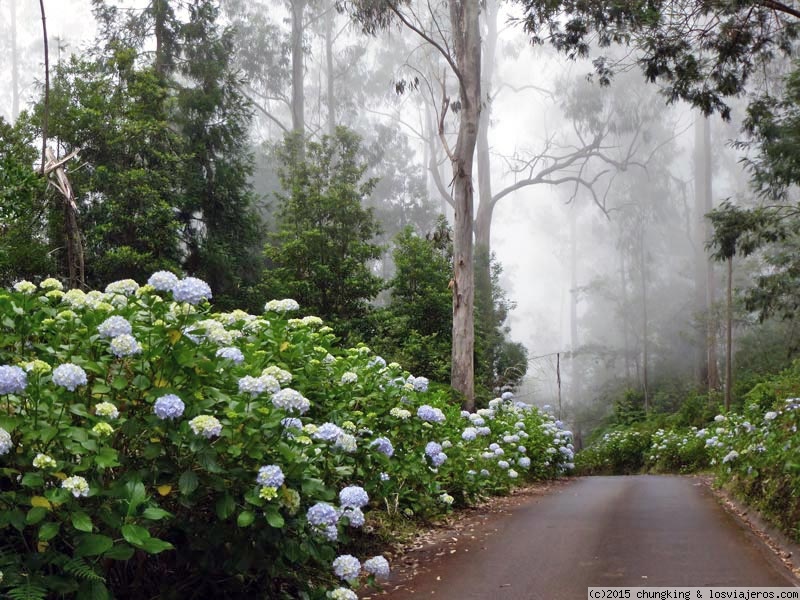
147,442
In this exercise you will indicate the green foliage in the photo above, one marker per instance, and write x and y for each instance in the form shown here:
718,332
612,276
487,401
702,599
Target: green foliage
416,328
23,243
629,408
321,253
618,452
127,191
95,480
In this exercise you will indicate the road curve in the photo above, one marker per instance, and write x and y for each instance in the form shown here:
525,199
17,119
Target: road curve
603,531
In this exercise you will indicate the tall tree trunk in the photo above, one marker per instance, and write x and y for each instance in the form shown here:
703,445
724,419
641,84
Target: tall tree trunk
467,46
330,15
574,379
706,369
645,323
298,97
46,108
626,336
160,12
729,338
14,64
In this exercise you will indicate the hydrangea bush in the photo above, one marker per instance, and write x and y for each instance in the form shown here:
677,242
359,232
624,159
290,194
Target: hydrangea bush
148,442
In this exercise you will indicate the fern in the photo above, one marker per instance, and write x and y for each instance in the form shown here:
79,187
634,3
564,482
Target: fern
28,591
78,568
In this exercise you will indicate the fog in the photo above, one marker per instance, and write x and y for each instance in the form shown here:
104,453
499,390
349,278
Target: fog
639,211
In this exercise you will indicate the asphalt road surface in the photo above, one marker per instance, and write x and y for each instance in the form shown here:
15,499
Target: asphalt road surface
603,531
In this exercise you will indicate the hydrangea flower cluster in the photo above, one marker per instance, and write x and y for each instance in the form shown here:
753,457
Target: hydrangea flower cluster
354,516
169,406
377,566
114,326
283,376
76,485
44,461
124,287
383,445
291,400
5,442
346,567
163,281
206,426
124,345
106,409
255,386
24,287
400,413
353,496
322,514
430,414
13,380
342,594
282,306
69,376
328,432
191,290
270,476
349,377
232,354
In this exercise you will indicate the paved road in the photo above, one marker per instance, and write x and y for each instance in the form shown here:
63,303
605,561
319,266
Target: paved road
598,531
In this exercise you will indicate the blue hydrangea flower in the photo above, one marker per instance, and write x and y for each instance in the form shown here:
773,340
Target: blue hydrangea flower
383,445
346,567
507,396
291,423
124,345
431,414
353,496
378,566
291,400
439,459
270,475
258,385
322,514
503,464
163,281
524,462
114,326
354,516
169,407
385,477
329,532
342,594
5,442
420,383
328,432
432,449
13,380
69,376
191,290
469,434
232,353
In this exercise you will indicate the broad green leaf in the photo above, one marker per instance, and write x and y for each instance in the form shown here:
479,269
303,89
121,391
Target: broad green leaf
274,518
48,531
134,534
82,522
225,506
155,514
92,544
188,482
245,518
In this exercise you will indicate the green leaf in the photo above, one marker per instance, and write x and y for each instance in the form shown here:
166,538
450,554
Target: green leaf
188,482
98,389
35,515
152,451
106,457
32,480
245,518
155,546
82,522
120,383
136,495
225,506
93,590
142,382
120,552
155,514
92,544
274,518
134,534
48,531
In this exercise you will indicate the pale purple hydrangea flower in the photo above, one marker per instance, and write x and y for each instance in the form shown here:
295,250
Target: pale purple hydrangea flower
383,445
69,376
322,514
191,290
432,449
271,476
292,423
354,516
469,434
353,496
328,432
13,380
169,407
377,566
524,462
114,326
231,353
439,459
258,385
431,414
346,567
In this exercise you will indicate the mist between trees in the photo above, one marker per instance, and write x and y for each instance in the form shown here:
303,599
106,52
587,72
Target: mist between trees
490,193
